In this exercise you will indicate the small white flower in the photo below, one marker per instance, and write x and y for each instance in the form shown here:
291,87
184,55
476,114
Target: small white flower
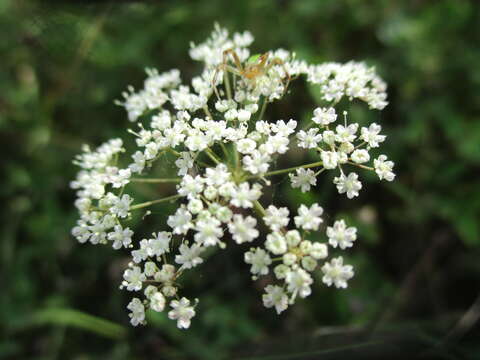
150,268
222,213
284,129
209,231
144,137
214,130
246,146
243,196
309,263
304,179
137,315
360,156
328,137
293,238
160,244
324,116
259,259
243,115
276,144
169,290
298,282
243,39
256,162
196,141
341,236
121,206
181,221
289,259
252,108
276,244
263,127
174,136
348,184
329,159
318,251
371,135
190,186
344,149
138,162
195,206
243,229
226,190
122,178
384,168
189,256
182,312
310,139
142,253
336,273
162,121
81,232
231,114
306,246
346,134
281,271
120,237
275,297
151,150
133,278
217,176
157,302
276,218
184,163
210,192
309,219
149,291
224,105
166,274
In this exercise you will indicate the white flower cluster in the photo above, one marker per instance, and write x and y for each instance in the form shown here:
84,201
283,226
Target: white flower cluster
225,148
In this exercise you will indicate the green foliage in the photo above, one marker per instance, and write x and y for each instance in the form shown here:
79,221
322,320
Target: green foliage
62,65
68,317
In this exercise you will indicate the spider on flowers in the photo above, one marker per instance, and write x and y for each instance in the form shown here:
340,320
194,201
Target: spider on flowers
255,67
220,194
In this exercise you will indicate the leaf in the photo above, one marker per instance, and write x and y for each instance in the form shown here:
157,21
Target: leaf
77,319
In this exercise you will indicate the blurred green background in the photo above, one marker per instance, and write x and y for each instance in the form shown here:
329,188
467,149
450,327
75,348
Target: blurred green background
417,284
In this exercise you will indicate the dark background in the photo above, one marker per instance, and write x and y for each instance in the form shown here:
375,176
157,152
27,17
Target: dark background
416,289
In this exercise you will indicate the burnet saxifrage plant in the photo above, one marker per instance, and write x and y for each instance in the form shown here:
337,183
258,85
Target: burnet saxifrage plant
224,147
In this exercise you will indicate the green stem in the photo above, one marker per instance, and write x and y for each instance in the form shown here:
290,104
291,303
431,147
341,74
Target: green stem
237,158
224,149
156,180
153,202
212,156
360,145
262,110
176,153
201,163
282,171
207,112
361,166
227,85
259,208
